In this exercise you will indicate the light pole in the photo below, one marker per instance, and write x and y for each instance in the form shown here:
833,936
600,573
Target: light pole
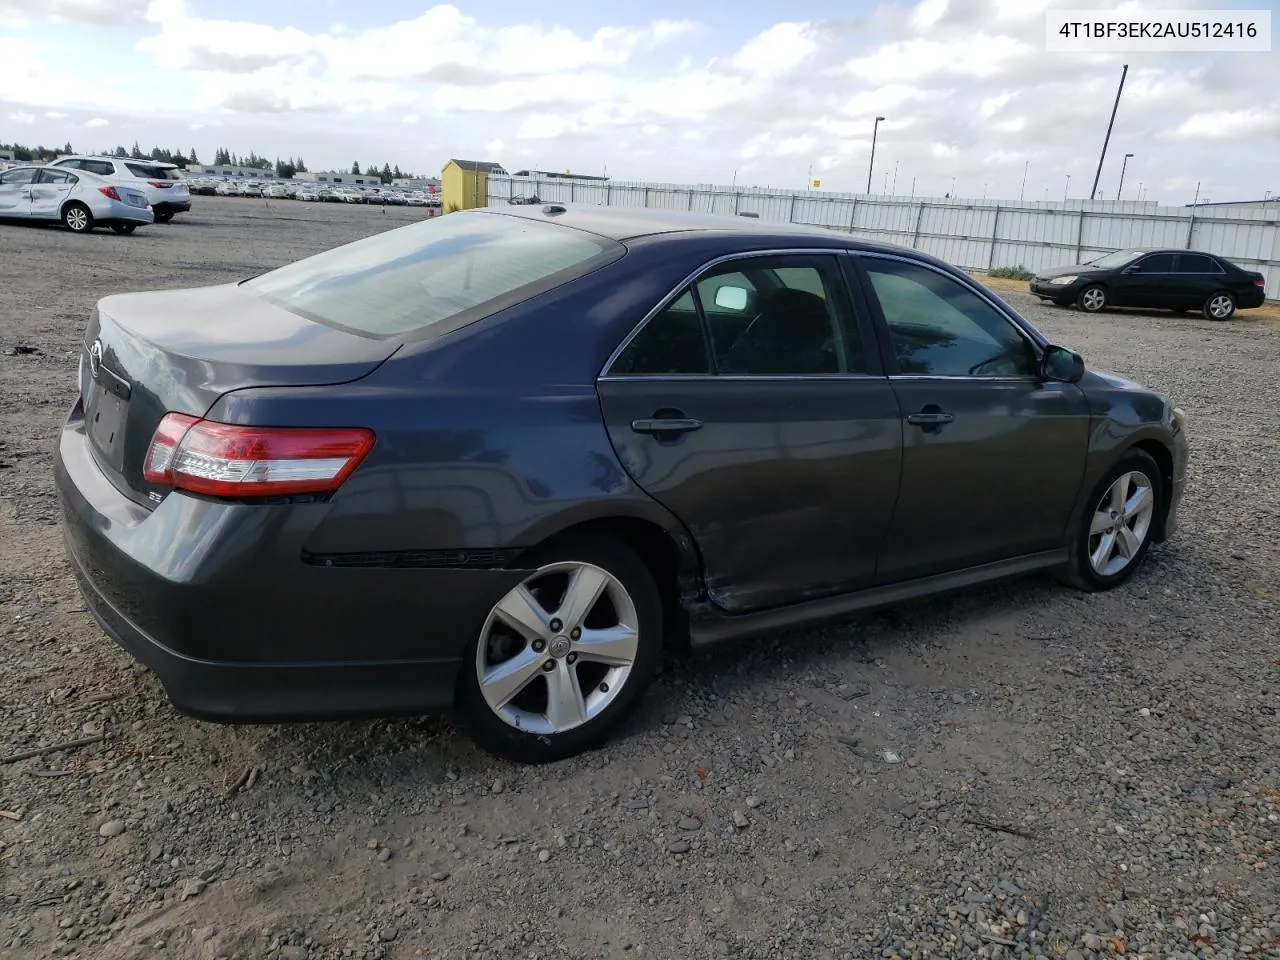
1120,189
1066,188
871,166
894,189
1023,192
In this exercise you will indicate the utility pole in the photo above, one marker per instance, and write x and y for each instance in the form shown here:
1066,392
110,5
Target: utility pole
1067,188
1107,139
871,166
1023,192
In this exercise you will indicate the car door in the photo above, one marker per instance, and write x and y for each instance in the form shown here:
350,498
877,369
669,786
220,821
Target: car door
1195,277
993,455
50,191
1148,282
754,407
15,191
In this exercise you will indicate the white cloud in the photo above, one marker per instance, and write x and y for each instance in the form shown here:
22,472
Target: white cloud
778,50
22,116
92,11
96,122
1229,124
55,115
965,85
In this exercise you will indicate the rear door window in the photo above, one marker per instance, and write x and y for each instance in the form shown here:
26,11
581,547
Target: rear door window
146,172
436,275
1197,263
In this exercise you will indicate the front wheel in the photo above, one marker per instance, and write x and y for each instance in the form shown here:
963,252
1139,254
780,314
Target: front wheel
77,218
565,655
1092,299
1220,306
1115,532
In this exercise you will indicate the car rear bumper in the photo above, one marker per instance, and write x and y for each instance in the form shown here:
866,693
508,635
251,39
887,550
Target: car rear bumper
1253,298
216,599
117,211
172,206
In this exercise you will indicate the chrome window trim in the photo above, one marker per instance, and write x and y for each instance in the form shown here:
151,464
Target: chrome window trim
671,296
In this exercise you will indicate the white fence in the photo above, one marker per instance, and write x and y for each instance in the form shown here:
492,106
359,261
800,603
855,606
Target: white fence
973,234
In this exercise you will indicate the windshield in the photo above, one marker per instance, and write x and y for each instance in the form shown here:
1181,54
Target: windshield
1117,259
420,276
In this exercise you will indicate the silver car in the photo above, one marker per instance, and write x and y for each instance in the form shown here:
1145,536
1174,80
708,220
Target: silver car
160,183
79,199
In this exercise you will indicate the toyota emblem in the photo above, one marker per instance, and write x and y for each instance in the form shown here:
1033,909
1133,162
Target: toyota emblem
95,358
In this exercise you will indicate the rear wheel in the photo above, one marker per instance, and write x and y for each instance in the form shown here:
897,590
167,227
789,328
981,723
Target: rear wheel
1115,532
1220,306
565,655
124,227
77,218
1092,299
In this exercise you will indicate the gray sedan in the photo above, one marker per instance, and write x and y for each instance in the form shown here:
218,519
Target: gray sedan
79,199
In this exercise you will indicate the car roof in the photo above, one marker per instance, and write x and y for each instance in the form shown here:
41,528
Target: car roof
104,156
630,223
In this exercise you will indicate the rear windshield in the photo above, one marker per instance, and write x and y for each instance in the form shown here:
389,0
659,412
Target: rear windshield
435,275
152,173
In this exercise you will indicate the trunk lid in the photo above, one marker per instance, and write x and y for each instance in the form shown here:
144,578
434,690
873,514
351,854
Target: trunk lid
148,354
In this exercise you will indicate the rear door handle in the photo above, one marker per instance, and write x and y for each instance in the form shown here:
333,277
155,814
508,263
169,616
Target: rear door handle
671,425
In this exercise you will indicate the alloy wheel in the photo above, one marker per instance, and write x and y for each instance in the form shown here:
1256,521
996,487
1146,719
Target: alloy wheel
557,649
1093,299
77,219
1121,523
1220,307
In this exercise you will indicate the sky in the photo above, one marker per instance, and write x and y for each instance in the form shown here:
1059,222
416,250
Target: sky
748,92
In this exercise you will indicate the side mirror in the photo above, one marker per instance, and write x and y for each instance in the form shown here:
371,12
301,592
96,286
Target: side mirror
731,298
1061,364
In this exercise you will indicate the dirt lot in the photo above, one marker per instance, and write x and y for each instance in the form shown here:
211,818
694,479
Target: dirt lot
1075,776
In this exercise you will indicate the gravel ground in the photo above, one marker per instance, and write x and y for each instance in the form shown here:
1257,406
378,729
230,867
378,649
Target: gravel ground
1021,771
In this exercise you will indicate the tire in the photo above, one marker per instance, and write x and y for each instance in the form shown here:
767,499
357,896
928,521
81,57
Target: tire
1119,562
1092,299
1219,306
77,218
518,721
124,228
163,217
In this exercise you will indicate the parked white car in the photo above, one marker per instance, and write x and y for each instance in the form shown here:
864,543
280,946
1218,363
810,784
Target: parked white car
251,188
79,199
311,194
276,190
160,183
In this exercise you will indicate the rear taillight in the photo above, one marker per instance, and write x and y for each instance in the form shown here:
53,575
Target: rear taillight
1260,282
109,192
162,184
230,460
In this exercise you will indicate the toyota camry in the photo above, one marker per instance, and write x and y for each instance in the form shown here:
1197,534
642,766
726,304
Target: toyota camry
489,463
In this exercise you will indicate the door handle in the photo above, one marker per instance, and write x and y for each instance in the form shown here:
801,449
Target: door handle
666,425
931,419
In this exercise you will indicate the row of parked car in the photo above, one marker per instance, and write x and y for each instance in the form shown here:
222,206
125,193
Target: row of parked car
314,192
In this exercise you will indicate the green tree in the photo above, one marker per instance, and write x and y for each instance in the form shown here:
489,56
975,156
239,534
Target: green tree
355,168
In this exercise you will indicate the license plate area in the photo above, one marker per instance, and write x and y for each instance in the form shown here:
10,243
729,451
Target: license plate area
105,415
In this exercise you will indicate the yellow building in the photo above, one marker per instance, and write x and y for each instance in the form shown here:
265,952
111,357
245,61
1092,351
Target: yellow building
465,183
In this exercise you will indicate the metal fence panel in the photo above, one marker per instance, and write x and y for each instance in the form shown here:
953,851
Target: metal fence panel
975,235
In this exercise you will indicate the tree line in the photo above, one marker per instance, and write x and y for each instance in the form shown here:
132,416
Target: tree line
284,169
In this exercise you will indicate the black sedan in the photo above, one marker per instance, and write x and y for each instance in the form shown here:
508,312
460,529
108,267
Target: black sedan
1178,280
489,463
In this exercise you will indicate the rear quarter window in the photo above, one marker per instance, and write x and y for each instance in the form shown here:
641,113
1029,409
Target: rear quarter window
435,276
